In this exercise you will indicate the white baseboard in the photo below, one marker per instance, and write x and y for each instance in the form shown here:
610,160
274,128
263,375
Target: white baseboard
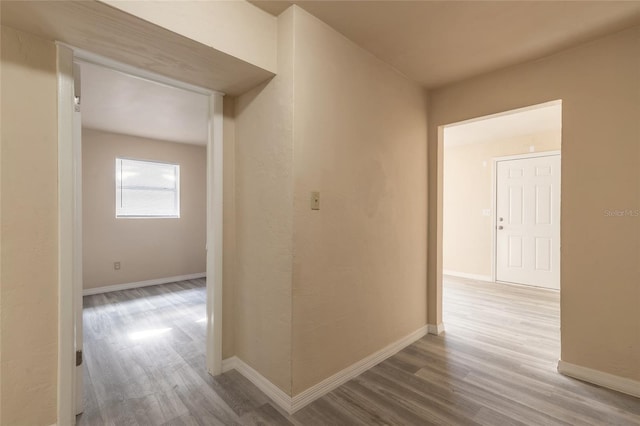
476,277
272,391
343,376
128,286
435,329
295,403
600,378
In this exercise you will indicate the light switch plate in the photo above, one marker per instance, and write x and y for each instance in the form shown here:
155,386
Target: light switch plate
315,200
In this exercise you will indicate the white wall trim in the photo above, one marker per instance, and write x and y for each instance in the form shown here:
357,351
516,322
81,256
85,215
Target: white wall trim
214,234
435,329
272,391
138,284
477,277
526,155
66,240
600,378
295,403
343,376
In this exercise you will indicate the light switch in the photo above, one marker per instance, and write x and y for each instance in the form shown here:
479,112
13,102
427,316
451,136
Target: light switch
315,200
486,212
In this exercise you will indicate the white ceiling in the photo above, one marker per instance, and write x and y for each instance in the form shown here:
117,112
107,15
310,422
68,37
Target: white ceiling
116,102
524,122
438,42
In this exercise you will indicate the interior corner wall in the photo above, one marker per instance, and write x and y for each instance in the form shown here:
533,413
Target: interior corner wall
599,84
28,230
467,243
264,218
359,264
147,249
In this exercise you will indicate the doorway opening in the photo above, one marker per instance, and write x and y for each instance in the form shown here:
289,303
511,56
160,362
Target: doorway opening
501,229
143,126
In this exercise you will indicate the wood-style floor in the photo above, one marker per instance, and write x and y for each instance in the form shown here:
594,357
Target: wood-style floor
495,365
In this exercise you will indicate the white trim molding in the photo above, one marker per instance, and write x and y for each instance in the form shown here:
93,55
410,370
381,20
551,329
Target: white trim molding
476,277
66,229
600,378
435,329
343,376
295,403
272,391
214,234
138,284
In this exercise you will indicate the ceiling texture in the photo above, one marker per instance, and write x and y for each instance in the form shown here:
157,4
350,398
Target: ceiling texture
523,122
120,103
439,42
431,42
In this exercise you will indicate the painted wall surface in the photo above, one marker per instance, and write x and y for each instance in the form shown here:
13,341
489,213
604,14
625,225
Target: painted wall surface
28,230
264,218
146,248
359,263
468,182
599,84
234,27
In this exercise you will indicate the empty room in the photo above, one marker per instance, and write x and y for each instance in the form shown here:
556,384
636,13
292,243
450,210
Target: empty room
143,229
332,275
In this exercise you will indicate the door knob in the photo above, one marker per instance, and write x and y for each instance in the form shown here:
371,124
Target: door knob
500,227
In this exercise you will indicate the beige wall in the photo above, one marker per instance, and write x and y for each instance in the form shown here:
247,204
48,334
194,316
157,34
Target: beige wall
146,248
468,181
264,219
599,86
350,277
28,231
359,263
234,27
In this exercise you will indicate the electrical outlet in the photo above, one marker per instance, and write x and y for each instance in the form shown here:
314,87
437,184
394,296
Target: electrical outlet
315,200
116,266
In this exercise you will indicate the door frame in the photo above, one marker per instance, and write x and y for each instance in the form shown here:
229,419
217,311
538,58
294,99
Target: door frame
494,200
70,216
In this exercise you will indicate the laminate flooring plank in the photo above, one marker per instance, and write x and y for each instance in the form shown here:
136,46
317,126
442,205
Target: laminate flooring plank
495,365
185,420
325,411
391,408
265,415
239,393
446,409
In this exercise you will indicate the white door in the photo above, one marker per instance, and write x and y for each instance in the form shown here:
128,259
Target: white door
528,221
77,240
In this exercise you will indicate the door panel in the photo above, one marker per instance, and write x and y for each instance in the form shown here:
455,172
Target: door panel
528,221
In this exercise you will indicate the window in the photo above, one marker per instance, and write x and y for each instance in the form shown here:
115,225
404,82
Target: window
147,189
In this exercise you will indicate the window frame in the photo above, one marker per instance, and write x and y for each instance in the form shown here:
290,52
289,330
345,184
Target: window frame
119,189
